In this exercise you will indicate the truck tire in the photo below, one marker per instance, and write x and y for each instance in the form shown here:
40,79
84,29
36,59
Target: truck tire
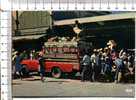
56,72
25,71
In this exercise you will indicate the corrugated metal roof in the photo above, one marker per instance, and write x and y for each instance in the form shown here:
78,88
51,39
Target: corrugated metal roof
97,18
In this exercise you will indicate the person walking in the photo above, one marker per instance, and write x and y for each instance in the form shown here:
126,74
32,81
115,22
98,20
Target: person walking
18,66
42,66
86,62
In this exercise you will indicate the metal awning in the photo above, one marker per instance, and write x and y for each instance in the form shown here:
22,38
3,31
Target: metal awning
27,37
119,16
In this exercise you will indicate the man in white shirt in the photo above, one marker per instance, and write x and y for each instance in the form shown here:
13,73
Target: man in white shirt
86,63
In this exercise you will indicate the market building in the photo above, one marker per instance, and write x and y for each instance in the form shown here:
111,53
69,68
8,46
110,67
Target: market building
31,29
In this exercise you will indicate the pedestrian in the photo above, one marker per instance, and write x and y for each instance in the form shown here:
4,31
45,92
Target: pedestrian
119,69
86,62
42,66
96,65
108,68
102,58
18,66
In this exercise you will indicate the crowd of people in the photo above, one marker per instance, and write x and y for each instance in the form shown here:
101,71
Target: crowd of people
108,64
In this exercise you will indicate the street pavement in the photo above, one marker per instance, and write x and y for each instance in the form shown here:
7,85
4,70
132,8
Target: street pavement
33,87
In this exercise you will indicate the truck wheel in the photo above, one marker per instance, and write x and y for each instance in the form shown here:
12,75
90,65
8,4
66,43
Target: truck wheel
25,71
56,72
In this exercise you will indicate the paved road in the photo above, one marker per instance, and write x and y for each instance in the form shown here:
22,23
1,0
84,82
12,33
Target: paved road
68,87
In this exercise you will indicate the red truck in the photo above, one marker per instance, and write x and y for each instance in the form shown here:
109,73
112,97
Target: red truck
59,58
